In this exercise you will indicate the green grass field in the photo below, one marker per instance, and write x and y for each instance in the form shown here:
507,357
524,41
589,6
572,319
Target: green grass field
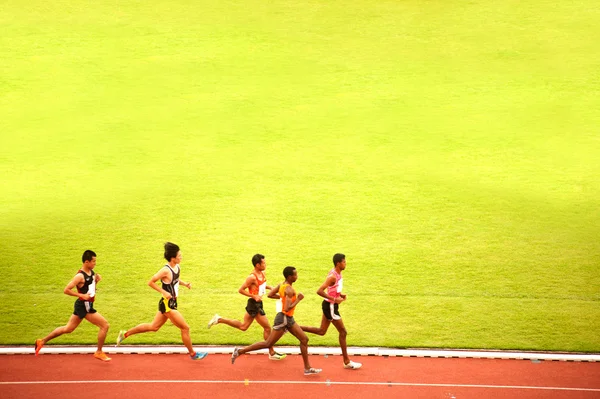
449,148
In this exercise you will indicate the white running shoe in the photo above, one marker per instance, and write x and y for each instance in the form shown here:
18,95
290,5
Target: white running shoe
121,337
352,365
214,321
312,371
235,354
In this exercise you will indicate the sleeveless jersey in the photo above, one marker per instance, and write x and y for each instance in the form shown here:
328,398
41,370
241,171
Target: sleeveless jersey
261,284
335,290
173,287
89,285
282,289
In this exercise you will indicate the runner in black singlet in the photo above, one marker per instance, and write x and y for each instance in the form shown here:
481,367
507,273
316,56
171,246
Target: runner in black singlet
85,281
167,305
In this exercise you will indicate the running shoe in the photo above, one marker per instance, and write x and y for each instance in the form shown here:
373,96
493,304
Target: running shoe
353,365
277,356
312,371
214,321
39,343
121,337
235,354
198,355
102,356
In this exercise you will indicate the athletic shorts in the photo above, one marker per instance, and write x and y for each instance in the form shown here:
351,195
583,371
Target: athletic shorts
82,308
172,305
254,308
283,322
331,310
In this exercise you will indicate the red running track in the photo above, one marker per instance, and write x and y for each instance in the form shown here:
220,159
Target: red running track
150,376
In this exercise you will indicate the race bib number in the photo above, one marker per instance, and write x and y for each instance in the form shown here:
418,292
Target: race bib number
262,289
92,289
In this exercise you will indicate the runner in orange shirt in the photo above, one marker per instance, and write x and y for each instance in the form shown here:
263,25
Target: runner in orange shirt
284,320
254,287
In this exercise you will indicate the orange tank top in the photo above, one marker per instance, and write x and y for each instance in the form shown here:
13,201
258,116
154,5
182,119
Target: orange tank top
261,284
284,298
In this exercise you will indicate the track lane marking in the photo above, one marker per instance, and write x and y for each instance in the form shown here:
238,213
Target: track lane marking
328,383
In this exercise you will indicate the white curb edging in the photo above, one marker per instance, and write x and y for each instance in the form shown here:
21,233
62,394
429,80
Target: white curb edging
352,351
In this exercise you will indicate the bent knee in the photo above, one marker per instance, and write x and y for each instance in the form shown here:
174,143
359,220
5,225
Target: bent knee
68,330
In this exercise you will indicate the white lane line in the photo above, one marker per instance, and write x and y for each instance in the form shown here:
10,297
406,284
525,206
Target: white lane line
247,382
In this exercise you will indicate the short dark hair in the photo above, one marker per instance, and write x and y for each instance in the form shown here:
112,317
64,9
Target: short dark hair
171,250
288,271
256,259
337,258
87,255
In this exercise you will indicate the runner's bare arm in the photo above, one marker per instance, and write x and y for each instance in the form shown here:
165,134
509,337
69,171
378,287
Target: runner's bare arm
187,285
160,275
289,294
76,281
274,293
328,283
251,280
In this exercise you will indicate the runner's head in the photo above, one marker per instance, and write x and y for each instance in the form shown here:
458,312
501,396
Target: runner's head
171,251
89,258
258,261
290,274
339,260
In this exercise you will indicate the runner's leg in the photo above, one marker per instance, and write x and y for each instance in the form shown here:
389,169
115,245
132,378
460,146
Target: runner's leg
264,323
339,324
297,332
98,320
154,326
318,330
178,320
71,325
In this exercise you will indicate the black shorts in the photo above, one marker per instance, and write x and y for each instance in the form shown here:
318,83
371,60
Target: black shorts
82,308
331,310
254,308
283,322
172,305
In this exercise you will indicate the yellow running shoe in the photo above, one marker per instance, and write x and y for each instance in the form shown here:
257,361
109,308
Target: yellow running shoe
277,356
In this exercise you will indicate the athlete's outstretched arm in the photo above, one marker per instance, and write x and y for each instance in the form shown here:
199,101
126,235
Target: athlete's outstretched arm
274,293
